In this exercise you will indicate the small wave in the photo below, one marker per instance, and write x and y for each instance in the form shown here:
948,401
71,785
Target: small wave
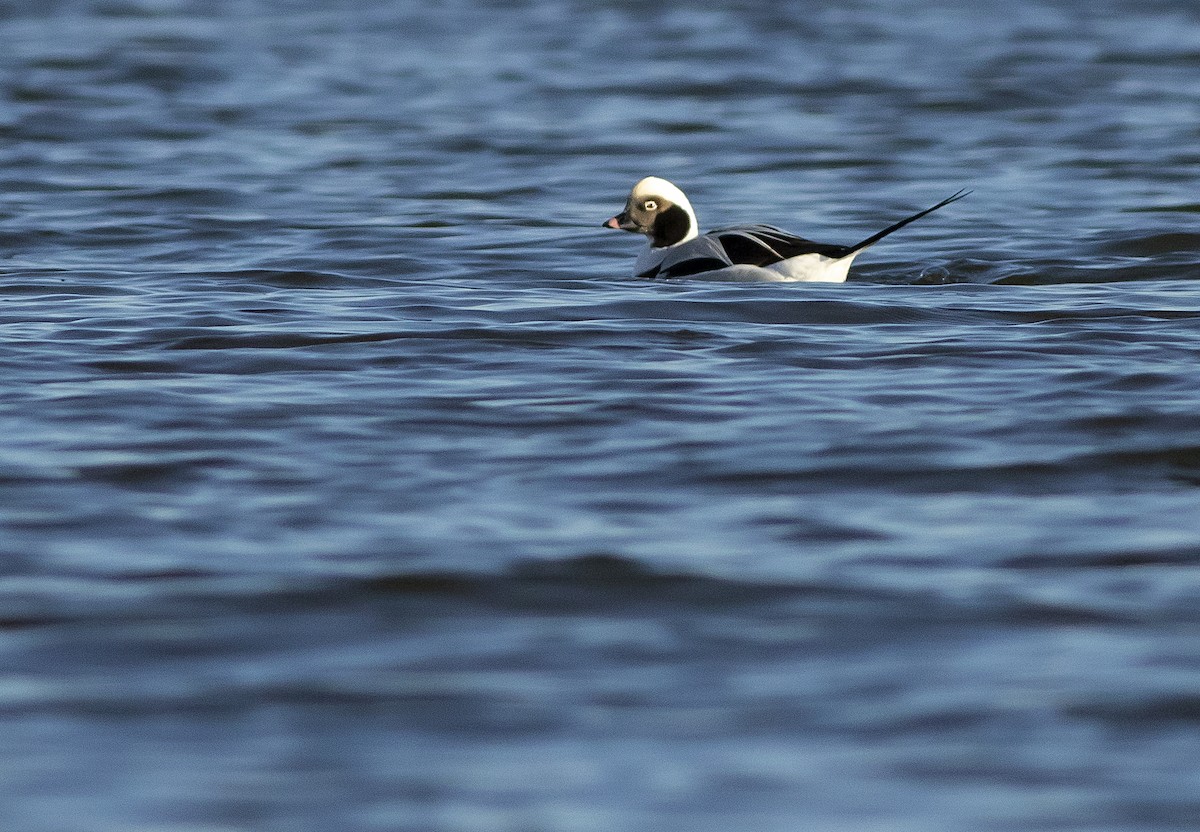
288,278
1189,557
179,197
55,283
721,305
1139,709
581,582
1154,244
276,340
140,474
599,581
612,585
1177,208
131,366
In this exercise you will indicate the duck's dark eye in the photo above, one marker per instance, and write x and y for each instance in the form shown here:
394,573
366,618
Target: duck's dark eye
649,205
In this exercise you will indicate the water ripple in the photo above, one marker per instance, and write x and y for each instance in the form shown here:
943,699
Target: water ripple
341,449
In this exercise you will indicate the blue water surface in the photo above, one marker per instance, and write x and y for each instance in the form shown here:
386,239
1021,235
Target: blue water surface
349,482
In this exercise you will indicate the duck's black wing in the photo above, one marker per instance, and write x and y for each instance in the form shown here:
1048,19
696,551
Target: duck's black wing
752,245
762,245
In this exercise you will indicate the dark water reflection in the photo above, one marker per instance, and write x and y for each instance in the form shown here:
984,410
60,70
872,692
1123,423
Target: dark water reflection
347,481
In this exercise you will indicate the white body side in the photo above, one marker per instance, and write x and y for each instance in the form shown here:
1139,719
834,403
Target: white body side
814,268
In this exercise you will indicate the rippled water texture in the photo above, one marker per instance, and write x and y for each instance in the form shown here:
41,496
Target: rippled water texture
348,482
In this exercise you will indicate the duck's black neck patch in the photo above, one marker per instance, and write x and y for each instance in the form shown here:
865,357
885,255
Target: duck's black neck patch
671,226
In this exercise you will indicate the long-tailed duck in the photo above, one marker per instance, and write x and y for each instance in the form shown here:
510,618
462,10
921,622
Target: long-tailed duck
676,248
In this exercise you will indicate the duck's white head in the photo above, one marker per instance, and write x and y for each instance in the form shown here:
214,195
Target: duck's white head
659,210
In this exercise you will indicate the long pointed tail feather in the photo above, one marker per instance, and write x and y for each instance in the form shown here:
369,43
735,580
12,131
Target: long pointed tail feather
875,238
